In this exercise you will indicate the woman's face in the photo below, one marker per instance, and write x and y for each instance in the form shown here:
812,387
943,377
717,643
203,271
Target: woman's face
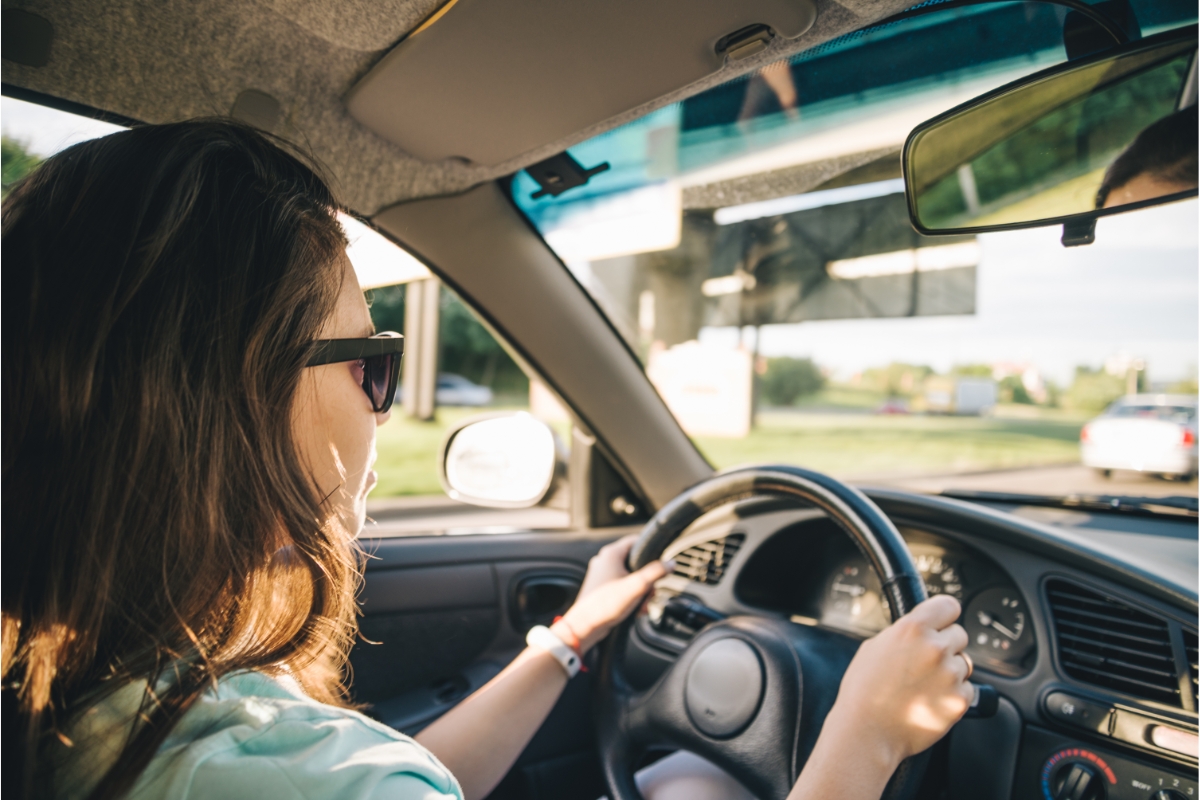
1144,186
334,423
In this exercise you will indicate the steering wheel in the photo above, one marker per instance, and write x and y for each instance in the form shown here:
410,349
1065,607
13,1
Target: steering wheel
748,693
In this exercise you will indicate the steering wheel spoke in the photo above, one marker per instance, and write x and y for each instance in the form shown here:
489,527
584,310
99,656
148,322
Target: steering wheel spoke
749,694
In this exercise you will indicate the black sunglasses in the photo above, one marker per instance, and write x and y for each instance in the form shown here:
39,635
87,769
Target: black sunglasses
380,354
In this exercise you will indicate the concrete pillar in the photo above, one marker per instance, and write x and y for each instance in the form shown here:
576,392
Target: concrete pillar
674,278
419,378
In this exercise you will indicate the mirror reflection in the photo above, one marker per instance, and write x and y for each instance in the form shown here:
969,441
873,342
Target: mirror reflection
1103,135
506,461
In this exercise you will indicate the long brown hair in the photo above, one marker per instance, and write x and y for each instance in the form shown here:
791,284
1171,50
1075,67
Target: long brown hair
163,288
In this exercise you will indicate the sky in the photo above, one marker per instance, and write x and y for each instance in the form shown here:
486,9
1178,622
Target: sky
1134,292
45,131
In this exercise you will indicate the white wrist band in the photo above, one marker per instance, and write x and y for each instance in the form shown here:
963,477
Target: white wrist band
543,638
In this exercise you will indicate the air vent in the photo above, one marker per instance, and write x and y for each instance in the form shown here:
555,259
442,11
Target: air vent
1189,646
1105,642
706,563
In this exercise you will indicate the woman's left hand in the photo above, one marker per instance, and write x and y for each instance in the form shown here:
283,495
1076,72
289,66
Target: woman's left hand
608,595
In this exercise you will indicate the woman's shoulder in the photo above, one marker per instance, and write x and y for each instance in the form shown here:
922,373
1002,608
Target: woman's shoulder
257,736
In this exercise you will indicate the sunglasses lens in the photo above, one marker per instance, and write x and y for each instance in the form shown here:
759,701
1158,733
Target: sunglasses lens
378,380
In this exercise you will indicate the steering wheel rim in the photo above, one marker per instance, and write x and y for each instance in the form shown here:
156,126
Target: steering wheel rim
624,715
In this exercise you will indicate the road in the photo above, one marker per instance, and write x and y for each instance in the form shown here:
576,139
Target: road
1060,480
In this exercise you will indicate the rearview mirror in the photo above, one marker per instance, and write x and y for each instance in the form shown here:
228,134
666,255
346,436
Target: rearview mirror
502,461
1107,134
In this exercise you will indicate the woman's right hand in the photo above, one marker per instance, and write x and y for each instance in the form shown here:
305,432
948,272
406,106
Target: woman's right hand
902,692
908,685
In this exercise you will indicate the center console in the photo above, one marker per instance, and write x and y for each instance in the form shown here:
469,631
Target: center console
1055,767
1120,753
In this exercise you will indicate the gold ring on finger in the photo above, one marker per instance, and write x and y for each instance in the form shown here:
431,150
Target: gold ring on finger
970,665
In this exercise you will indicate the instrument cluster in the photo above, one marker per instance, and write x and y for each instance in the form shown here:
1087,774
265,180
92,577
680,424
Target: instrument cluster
841,591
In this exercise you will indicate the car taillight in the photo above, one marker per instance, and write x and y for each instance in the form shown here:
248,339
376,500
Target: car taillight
1189,437
1083,434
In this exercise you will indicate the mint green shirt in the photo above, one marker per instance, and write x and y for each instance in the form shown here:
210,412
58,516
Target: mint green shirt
260,738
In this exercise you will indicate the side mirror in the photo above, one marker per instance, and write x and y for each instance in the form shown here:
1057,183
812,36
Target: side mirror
502,461
1081,140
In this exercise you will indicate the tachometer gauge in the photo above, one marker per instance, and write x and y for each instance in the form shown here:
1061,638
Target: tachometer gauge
997,623
941,577
852,599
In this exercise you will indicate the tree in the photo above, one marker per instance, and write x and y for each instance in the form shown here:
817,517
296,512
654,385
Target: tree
789,379
15,163
1093,390
972,370
897,379
387,308
467,348
1012,390
470,350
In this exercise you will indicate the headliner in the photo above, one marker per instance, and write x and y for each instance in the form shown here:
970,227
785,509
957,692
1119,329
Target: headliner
160,62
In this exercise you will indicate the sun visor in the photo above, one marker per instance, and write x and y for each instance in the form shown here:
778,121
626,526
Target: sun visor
490,80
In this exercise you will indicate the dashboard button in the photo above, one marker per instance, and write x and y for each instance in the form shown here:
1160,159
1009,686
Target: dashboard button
1080,713
1176,740
1145,731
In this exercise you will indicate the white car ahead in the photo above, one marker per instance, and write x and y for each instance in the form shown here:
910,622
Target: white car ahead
1151,433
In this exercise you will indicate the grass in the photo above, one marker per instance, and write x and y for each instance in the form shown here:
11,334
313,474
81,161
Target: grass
848,445
408,451
864,446
845,397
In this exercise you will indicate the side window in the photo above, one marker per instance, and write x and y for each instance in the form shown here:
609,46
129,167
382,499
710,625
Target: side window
474,373
31,133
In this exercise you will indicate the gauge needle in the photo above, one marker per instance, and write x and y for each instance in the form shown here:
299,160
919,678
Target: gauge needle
987,620
850,589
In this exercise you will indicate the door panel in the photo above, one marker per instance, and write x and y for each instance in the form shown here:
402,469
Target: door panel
416,650
442,615
411,710
561,762
423,589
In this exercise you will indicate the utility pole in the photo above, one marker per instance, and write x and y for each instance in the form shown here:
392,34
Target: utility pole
1131,376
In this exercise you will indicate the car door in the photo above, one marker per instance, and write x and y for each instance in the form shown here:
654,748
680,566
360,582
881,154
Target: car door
443,614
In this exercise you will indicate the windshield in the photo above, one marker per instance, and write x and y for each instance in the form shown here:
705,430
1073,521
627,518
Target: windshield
752,246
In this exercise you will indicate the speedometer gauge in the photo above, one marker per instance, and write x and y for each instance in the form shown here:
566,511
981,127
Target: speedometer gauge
854,600
940,576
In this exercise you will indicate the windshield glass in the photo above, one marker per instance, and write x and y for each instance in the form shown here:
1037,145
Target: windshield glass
752,246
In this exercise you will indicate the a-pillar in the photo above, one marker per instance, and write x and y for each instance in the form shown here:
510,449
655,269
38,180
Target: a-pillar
419,379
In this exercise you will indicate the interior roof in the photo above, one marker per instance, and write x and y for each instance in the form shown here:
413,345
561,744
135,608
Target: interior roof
160,62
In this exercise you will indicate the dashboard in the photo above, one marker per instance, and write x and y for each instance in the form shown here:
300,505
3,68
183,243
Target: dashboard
1084,624
812,572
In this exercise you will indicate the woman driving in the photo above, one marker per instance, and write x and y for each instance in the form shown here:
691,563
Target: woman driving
192,387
